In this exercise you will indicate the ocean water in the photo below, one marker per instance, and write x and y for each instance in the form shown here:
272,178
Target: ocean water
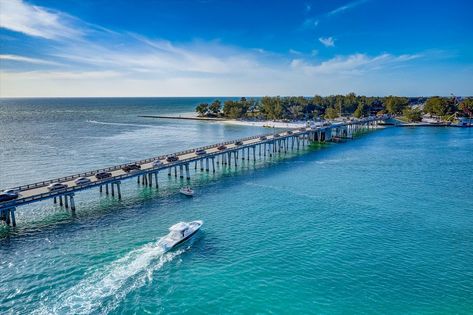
379,224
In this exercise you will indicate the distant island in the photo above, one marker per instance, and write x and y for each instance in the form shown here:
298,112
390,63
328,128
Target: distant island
296,108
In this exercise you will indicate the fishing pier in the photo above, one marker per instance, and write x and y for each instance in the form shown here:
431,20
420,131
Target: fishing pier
226,154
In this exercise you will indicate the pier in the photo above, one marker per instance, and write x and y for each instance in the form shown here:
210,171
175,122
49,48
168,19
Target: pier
225,153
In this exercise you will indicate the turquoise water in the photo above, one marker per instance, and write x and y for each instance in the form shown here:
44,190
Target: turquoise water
380,224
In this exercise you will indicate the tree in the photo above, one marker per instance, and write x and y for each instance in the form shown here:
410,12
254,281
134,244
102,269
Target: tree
412,114
439,106
467,107
395,105
202,109
361,110
271,107
331,113
296,111
215,107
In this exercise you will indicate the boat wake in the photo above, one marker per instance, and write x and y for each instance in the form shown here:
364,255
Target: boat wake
118,124
106,288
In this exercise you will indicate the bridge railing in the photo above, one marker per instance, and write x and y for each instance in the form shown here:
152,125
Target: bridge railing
161,157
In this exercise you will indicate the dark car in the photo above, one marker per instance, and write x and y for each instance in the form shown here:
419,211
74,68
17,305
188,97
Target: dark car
276,135
103,175
303,129
131,167
7,196
289,132
221,147
238,142
172,158
263,138
200,152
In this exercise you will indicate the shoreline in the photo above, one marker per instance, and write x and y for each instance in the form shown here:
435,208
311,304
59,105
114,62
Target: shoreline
282,125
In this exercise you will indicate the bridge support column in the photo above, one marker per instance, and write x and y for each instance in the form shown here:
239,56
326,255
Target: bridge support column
207,168
66,202
235,153
156,177
113,189
181,171
12,216
7,216
243,153
54,200
188,175
175,171
60,201
213,164
150,179
201,165
106,188
169,171
73,204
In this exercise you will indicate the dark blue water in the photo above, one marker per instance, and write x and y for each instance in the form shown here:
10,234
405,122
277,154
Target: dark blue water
380,224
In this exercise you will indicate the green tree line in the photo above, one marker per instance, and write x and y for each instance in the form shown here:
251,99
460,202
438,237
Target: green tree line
330,107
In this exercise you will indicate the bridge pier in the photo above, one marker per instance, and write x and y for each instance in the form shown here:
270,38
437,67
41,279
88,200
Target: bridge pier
213,164
8,216
188,175
156,177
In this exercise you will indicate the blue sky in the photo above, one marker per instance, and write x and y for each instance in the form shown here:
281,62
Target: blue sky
228,47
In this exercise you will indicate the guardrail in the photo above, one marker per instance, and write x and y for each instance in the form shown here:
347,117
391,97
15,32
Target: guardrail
148,160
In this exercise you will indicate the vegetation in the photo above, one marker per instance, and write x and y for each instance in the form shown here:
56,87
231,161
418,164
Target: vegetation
412,114
331,107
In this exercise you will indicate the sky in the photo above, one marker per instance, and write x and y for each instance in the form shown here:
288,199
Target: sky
84,48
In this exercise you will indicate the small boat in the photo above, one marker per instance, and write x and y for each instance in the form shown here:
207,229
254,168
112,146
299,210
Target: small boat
179,233
187,191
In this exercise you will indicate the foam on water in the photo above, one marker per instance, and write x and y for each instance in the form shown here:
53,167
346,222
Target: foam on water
104,289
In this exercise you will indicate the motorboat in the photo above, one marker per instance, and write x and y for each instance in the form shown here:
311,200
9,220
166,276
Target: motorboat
179,233
187,191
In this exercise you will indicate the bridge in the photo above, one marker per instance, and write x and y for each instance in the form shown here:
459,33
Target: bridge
226,153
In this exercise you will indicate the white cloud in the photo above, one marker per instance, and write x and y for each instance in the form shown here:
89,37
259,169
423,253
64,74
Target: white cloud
348,6
327,41
351,65
27,60
18,16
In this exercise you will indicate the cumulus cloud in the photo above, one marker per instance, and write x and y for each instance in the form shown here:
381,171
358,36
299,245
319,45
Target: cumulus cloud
18,16
327,41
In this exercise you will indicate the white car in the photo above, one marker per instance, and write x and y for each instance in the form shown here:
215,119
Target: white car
56,186
157,163
82,181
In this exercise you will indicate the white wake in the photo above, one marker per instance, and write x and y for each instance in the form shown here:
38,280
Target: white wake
102,291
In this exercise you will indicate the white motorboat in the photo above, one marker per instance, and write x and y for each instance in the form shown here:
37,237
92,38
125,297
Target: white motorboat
187,191
179,233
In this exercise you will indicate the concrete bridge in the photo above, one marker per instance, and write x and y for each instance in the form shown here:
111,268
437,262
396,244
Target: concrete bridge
246,148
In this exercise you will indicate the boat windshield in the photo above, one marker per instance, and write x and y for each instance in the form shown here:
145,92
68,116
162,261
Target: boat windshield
176,235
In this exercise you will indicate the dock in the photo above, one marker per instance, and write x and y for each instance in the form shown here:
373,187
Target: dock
226,153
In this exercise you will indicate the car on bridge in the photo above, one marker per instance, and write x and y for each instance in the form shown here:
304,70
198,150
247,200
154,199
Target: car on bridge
57,186
276,135
172,158
289,132
263,138
131,168
103,175
238,142
157,163
221,147
200,152
9,195
82,181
